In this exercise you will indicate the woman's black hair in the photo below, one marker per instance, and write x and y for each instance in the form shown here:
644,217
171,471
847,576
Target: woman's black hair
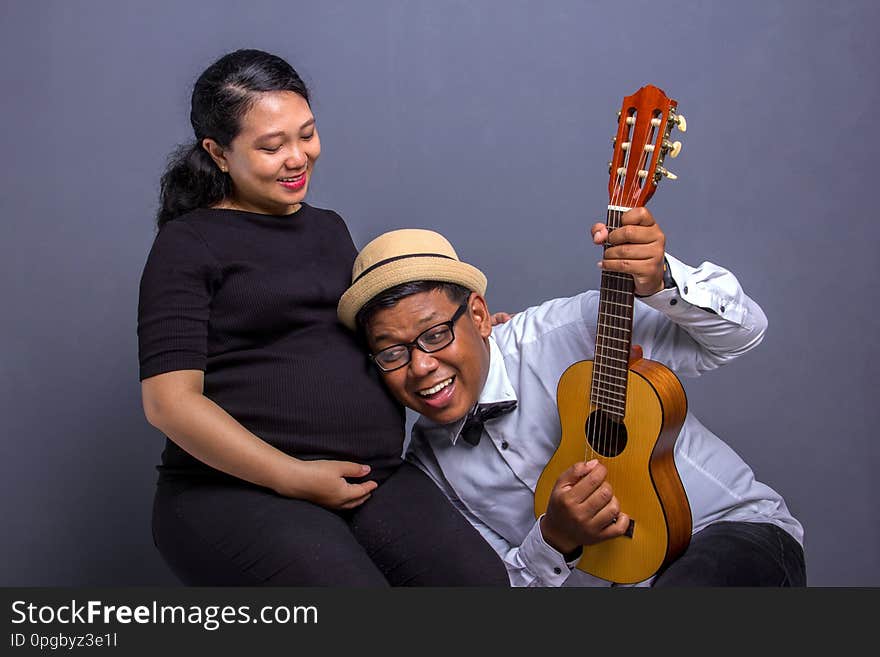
390,297
220,97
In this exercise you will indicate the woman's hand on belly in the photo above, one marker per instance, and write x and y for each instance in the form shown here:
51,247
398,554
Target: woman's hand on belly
324,482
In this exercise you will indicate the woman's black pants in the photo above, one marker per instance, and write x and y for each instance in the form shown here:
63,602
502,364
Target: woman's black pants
236,534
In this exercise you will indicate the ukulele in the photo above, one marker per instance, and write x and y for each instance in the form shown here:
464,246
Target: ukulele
621,409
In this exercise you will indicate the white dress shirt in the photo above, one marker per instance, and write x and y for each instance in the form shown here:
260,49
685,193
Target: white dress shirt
493,483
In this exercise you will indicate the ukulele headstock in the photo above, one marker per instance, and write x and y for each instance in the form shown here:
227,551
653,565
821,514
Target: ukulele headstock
645,122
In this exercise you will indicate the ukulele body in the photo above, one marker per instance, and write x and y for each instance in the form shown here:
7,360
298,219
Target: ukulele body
639,456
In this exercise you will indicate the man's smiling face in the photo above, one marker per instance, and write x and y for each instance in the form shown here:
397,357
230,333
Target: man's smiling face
445,384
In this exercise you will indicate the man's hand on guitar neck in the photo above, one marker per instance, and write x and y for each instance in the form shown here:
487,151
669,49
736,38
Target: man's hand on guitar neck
636,248
582,509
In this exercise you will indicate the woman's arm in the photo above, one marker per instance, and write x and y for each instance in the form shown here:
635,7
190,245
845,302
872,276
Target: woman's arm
175,404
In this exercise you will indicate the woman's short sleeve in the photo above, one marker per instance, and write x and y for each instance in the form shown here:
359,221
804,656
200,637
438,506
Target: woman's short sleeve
174,306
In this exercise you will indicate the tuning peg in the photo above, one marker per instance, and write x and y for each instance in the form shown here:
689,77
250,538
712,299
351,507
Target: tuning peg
668,174
681,122
609,167
674,148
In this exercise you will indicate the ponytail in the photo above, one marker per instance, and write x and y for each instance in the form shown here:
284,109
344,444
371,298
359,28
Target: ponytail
191,180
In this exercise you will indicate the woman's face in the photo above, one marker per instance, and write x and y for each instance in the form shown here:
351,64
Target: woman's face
271,160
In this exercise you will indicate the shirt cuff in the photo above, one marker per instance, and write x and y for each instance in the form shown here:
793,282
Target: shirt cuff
543,561
707,287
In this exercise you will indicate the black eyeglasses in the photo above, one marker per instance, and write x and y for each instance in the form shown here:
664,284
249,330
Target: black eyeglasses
430,340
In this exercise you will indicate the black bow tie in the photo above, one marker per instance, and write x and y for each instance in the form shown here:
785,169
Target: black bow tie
473,426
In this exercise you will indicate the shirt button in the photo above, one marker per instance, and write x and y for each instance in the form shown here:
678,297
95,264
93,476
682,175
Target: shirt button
504,444
672,302
685,290
722,308
557,570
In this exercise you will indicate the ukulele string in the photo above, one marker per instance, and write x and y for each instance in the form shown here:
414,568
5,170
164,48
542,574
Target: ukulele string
595,426
610,317
610,339
598,428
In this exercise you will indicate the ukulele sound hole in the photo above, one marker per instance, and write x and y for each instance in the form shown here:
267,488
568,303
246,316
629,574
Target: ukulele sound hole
605,433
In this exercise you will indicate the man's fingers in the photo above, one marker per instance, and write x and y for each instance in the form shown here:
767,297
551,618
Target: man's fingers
596,501
576,473
635,235
632,251
637,217
618,527
606,514
588,484
638,268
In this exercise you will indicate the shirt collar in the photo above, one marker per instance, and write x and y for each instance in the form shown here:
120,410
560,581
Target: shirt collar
496,389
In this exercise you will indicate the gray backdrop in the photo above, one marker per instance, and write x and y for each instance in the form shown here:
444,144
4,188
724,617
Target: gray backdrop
490,121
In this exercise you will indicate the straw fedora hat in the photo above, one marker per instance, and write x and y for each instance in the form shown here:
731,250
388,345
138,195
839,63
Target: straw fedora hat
404,256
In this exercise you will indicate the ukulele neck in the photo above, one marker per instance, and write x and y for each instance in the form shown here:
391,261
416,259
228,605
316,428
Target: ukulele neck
613,337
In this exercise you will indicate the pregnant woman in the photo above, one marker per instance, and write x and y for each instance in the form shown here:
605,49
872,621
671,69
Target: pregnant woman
282,464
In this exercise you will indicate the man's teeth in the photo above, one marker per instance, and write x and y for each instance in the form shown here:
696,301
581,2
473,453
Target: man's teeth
437,388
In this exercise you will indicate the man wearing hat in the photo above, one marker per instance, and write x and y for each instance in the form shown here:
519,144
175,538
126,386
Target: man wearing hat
489,421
